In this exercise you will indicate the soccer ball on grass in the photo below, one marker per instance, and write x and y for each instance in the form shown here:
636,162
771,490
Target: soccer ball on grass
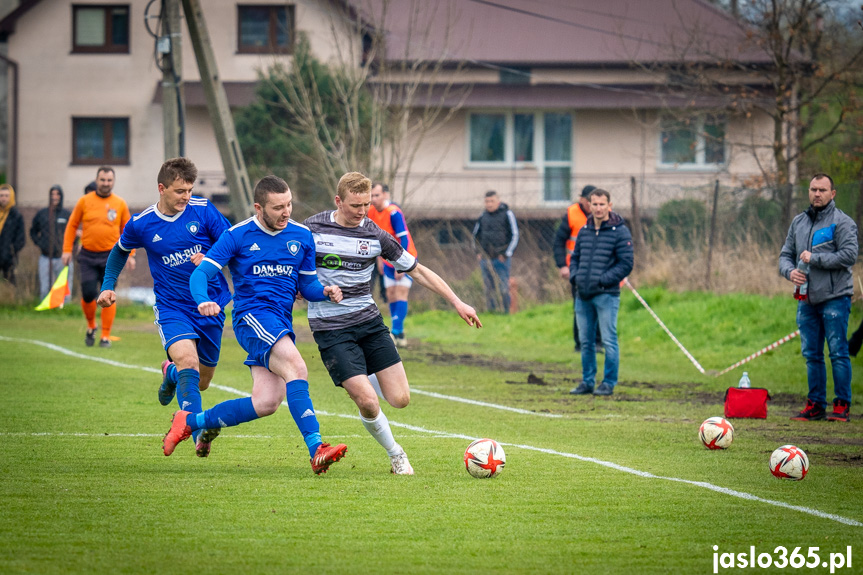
789,462
484,458
716,433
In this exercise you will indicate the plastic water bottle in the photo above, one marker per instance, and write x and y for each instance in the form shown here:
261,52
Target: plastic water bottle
801,292
744,381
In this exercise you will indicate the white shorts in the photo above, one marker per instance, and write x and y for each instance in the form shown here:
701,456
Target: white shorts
390,281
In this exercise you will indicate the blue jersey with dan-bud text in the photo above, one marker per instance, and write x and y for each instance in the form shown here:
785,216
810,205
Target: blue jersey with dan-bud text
170,242
265,265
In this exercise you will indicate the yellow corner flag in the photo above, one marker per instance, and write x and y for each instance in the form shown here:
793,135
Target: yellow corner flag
58,292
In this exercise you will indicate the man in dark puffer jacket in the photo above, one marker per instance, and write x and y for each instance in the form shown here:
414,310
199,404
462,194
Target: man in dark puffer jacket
602,258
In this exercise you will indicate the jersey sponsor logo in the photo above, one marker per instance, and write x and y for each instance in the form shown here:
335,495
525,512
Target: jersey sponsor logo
293,247
364,247
271,271
193,227
328,244
179,258
254,248
157,238
331,261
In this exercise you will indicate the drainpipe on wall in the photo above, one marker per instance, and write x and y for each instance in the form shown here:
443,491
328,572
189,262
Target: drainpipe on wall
13,144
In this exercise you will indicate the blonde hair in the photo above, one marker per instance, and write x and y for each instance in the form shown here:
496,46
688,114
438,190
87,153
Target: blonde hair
353,182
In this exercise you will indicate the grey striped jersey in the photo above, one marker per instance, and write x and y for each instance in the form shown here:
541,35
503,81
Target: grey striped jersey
345,257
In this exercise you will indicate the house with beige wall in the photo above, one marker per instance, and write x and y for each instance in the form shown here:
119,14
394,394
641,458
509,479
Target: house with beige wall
555,95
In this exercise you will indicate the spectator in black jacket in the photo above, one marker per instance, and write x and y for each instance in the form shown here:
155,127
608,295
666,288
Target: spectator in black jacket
12,236
602,258
495,238
563,246
49,225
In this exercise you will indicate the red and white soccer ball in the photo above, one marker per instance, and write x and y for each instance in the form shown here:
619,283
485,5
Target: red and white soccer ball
484,458
789,462
716,433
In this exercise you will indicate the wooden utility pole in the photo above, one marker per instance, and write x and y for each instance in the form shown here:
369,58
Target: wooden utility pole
220,113
170,47
712,238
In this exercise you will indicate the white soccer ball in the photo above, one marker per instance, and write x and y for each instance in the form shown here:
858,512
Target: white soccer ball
484,458
716,433
789,462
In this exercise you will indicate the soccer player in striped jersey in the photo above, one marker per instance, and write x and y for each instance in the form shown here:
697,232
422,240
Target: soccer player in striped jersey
271,258
176,232
355,345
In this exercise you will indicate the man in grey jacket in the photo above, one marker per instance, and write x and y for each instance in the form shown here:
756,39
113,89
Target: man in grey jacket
823,238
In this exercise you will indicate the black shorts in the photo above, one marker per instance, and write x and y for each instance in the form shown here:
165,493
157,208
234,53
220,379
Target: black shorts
91,266
357,350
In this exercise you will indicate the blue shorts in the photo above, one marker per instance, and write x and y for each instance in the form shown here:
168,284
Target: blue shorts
175,325
257,332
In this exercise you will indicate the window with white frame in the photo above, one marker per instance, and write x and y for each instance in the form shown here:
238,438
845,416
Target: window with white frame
693,142
542,140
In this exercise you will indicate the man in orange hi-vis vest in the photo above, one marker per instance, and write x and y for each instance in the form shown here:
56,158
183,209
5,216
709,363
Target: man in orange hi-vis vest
102,217
564,244
390,218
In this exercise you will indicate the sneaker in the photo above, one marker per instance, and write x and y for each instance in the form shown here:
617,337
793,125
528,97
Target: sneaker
205,438
90,338
841,411
168,387
582,389
399,339
326,455
400,464
104,342
179,432
812,412
604,389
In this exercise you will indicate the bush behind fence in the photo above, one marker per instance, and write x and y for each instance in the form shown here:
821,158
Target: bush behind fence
701,237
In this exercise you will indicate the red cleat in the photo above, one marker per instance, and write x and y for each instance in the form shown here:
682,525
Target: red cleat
326,455
179,432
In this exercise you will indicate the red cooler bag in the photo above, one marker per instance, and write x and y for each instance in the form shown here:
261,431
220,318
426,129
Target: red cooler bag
749,402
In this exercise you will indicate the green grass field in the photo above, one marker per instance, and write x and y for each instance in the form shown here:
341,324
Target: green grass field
595,485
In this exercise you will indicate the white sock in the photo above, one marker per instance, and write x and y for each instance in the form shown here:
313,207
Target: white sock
379,427
373,379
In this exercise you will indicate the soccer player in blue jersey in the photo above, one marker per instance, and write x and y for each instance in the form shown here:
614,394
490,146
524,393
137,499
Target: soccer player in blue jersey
176,232
355,345
271,258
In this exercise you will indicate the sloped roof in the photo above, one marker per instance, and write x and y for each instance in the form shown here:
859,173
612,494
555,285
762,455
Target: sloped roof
559,32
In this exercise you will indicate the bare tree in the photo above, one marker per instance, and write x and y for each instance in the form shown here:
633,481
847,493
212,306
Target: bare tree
792,61
369,108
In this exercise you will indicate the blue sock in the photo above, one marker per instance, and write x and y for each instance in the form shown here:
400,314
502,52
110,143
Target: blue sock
226,414
171,372
303,413
189,392
398,313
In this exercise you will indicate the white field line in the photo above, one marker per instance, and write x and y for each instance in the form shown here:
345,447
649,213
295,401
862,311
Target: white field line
444,434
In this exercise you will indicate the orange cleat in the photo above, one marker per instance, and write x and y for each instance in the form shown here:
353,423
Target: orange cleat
326,455
179,432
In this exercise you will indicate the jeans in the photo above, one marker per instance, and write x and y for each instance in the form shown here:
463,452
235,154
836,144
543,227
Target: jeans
495,277
827,320
601,311
46,280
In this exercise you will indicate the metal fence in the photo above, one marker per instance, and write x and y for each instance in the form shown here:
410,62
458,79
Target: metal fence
705,235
